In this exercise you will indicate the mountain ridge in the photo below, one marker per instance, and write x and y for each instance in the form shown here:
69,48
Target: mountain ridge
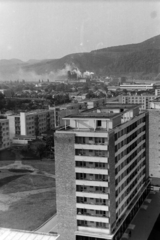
139,59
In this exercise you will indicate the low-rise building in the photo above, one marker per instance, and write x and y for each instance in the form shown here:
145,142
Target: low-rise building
136,86
143,100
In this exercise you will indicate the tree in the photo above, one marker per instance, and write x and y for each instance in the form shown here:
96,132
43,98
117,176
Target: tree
38,148
2,101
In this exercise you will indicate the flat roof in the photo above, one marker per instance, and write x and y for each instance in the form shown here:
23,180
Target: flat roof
89,114
119,105
92,113
12,234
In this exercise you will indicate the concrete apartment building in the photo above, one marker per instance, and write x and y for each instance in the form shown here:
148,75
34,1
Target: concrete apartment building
102,171
31,123
137,86
143,100
4,134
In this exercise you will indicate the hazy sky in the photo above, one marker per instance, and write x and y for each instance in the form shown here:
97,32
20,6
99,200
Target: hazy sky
52,29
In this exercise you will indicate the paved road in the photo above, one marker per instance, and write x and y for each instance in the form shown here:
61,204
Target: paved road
146,218
49,226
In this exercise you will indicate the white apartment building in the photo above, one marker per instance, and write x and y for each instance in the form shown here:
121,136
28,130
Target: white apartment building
143,100
31,123
102,171
4,134
136,86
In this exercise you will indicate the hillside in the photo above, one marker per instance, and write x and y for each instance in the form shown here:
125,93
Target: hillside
140,60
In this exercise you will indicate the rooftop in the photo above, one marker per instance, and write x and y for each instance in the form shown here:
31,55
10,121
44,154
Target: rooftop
101,112
12,234
88,114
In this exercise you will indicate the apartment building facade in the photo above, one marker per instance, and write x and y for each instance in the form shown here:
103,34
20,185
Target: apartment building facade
31,123
102,171
137,86
4,134
143,100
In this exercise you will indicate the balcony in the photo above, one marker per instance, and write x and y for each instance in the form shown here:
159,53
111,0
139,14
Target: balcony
91,146
91,170
92,194
93,218
97,231
92,206
92,153
92,183
91,159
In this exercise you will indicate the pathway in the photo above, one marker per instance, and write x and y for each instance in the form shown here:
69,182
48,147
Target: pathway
145,219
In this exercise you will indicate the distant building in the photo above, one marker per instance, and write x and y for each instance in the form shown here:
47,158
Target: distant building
31,123
143,100
157,91
102,171
136,86
4,133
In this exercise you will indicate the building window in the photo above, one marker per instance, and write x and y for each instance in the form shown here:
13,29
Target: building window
99,123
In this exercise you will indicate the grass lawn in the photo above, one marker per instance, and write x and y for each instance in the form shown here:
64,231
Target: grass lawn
30,212
27,183
45,165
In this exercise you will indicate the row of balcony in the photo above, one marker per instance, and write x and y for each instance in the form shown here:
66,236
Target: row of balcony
93,213
92,189
91,140
91,153
93,201
97,165
92,177
87,225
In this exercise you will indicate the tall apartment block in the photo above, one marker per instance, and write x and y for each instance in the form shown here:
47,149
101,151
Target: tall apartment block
102,172
4,133
143,100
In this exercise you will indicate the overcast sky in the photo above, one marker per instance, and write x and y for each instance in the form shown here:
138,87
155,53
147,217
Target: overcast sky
53,29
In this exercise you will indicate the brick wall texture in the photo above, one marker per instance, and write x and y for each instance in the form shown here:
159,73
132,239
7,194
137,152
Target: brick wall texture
65,185
112,178
154,143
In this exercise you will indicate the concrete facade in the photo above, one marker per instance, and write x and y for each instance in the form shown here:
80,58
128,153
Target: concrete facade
154,142
143,100
65,185
105,163
4,134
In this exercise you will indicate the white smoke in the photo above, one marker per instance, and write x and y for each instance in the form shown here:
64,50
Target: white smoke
52,75
88,74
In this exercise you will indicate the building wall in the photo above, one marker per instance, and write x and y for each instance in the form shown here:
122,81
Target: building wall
23,123
154,143
11,126
4,134
111,161
65,185
147,144
137,99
